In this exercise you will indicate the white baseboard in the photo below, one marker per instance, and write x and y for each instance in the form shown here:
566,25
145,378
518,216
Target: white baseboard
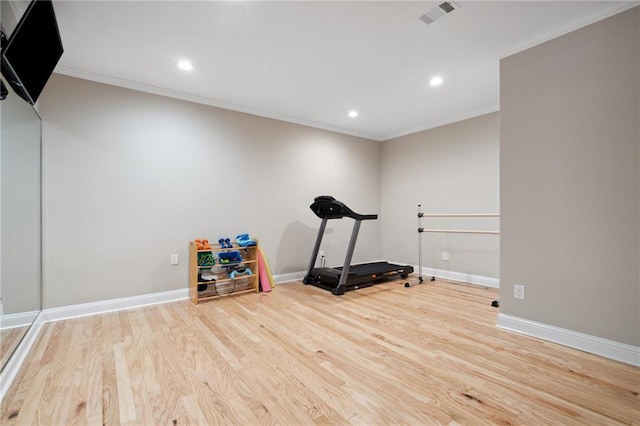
104,306
595,345
287,278
11,368
22,319
460,276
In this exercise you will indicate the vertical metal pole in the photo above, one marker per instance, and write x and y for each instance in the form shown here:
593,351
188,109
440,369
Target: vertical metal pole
316,248
342,283
420,229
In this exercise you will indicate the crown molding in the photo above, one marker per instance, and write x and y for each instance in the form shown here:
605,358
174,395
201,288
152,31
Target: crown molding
612,8
454,119
147,88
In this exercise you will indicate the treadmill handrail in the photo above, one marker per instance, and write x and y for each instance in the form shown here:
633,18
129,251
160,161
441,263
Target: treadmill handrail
327,207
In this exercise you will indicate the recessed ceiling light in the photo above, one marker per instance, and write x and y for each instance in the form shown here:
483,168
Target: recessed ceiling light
353,113
185,65
436,81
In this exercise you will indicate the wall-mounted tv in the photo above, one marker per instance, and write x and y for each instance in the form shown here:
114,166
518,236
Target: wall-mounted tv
32,51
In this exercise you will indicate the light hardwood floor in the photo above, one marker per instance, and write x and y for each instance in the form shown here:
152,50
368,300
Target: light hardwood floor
9,340
429,354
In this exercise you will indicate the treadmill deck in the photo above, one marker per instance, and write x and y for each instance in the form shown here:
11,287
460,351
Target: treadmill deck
360,275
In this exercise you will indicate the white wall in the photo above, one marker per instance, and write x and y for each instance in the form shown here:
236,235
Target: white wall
570,180
20,206
449,169
130,178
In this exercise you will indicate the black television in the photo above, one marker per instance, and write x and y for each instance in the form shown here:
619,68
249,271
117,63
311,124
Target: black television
32,51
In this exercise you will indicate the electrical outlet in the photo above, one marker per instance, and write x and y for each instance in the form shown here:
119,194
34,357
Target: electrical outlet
174,259
518,291
321,253
444,255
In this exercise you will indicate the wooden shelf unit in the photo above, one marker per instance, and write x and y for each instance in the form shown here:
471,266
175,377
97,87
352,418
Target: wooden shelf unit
201,290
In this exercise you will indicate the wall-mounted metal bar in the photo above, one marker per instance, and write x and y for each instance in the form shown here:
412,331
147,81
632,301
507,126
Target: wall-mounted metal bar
446,231
460,231
461,215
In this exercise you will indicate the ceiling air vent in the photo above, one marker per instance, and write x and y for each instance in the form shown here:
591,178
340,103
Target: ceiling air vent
439,11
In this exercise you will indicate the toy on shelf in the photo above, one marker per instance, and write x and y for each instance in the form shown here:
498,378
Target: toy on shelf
240,271
205,278
206,259
244,240
225,243
203,244
207,275
229,258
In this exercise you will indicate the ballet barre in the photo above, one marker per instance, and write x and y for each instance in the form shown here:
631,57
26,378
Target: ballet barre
445,231
458,231
460,215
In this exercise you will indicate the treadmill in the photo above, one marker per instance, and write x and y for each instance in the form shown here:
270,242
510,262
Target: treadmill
347,277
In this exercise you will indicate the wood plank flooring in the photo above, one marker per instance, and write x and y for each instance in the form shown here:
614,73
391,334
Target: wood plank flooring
430,354
9,340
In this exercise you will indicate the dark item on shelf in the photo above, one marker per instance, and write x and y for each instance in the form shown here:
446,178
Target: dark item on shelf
225,243
229,258
206,259
205,278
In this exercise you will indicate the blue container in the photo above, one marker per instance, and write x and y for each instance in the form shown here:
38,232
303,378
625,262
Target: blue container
229,257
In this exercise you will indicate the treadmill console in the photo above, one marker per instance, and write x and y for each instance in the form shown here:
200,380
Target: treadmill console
327,207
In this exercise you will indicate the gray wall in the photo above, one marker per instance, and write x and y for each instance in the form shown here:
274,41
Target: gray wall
20,190
130,178
20,206
569,180
449,169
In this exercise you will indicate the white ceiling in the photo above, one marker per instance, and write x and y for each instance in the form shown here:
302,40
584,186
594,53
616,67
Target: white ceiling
311,62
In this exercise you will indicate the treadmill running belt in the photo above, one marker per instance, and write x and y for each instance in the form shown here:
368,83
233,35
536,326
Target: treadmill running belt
373,268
